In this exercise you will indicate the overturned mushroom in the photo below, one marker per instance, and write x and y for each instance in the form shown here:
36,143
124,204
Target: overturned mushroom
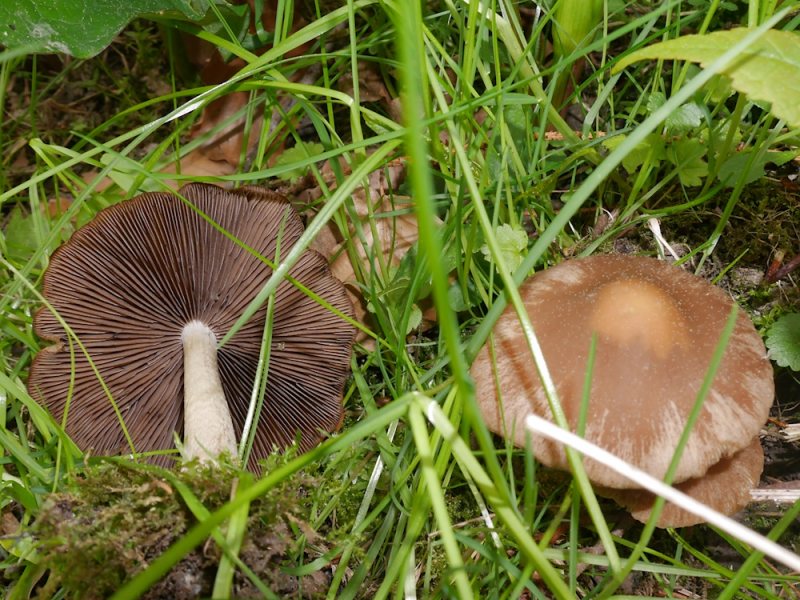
656,327
151,285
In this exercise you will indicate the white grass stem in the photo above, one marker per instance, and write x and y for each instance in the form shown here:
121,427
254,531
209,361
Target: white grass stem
654,225
372,484
768,547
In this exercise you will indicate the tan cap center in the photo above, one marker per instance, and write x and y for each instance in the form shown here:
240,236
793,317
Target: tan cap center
632,312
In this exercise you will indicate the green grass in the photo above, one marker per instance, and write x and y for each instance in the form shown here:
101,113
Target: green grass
413,494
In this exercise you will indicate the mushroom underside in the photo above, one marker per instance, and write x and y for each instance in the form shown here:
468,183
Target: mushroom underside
131,322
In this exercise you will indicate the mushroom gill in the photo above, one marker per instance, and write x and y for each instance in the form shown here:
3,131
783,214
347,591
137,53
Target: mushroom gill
130,282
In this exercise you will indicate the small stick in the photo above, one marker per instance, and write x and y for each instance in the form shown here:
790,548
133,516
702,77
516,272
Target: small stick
783,271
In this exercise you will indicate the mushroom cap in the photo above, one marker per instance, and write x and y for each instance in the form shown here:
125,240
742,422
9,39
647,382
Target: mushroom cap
130,280
725,487
657,327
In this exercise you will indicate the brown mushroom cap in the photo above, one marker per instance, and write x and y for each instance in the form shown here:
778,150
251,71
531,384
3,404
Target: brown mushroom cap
129,281
657,327
725,486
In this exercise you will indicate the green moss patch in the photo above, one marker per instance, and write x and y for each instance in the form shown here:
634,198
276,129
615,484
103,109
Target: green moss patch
112,520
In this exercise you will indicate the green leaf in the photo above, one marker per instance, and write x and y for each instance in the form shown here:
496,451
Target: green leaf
80,27
513,243
518,121
21,240
733,169
125,172
783,341
768,70
687,118
455,298
655,101
719,88
300,153
650,149
575,24
687,155
414,319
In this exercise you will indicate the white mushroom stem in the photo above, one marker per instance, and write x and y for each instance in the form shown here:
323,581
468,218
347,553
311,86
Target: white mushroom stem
207,425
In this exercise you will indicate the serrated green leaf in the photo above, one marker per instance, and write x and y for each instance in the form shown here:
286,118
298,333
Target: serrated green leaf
687,155
687,118
512,241
655,101
783,341
80,27
768,70
733,169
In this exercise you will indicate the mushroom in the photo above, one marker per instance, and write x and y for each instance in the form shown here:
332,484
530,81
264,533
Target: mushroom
149,287
656,328
725,487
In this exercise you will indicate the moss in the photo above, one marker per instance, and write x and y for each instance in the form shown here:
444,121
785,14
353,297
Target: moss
112,520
